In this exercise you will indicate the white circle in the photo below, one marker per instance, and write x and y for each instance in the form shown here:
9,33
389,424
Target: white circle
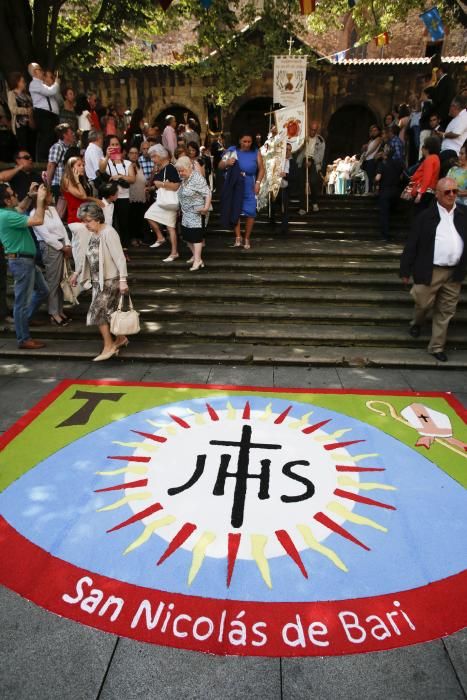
300,466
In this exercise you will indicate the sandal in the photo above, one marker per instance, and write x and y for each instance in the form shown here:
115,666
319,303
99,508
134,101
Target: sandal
238,243
247,245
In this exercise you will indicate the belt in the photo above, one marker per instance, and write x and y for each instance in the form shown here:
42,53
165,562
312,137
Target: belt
449,267
13,256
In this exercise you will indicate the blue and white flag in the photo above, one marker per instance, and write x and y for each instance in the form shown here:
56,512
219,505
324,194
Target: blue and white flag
433,23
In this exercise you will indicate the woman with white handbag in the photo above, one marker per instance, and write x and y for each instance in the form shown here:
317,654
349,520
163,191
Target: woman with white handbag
166,182
103,267
55,250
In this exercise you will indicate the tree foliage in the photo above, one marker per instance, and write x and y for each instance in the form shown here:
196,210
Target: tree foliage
372,17
233,41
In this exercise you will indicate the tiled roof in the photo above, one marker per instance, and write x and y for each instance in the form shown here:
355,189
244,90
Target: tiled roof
410,61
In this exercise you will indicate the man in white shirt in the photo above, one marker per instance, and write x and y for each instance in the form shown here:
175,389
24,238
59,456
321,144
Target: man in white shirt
310,158
435,255
93,153
45,107
456,131
169,135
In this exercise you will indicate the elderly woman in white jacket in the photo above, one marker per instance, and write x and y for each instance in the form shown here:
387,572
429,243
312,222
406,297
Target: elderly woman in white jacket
102,267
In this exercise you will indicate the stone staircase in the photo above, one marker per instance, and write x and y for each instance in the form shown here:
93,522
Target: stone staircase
328,294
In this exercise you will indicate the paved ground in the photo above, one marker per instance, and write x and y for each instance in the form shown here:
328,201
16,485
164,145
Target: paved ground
45,657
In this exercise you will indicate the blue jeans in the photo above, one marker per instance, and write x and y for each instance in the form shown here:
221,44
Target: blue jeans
30,291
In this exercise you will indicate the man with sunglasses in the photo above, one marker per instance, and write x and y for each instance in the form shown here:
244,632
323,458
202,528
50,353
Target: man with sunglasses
435,255
20,252
24,177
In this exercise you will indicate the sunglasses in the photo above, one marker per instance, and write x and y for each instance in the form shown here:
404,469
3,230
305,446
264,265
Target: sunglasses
446,192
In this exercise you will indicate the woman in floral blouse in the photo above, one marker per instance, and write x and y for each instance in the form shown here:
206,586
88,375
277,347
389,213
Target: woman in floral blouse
195,200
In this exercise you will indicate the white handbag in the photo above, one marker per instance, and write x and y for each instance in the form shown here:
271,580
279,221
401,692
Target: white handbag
167,199
70,293
124,322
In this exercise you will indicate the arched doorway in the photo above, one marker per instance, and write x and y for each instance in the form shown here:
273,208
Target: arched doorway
251,118
348,131
178,112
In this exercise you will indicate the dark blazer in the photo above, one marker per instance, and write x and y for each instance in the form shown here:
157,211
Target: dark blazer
417,256
232,196
443,94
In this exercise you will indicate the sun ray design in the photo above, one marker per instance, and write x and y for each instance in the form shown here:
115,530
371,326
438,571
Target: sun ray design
136,445
362,499
295,424
199,418
199,553
182,535
231,412
336,435
313,543
150,510
316,426
124,501
338,445
150,436
213,415
149,530
126,485
287,543
343,512
281,418
258,544
182,423
246,411
267,413
364,485
323,519
132,469
368,455
346,468
169,429
232,551
129,458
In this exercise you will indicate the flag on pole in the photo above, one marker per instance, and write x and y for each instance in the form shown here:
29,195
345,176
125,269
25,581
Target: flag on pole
382,39
307,7
433,23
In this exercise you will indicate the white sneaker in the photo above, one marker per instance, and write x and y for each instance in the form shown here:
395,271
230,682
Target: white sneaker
157,244
315,207
301,212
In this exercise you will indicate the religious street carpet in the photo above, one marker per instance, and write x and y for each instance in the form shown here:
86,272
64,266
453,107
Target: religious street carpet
240,520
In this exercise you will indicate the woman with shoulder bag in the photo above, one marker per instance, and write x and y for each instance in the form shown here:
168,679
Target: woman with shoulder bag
103,268
121,171
166,182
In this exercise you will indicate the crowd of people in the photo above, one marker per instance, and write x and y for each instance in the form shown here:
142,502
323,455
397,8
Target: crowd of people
113,183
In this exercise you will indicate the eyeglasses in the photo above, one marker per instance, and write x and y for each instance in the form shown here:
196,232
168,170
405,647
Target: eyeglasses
24,157
446,192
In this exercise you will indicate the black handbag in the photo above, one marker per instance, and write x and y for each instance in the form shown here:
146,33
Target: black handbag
102,178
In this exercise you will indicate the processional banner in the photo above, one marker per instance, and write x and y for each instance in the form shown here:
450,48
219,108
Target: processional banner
289,80
292,120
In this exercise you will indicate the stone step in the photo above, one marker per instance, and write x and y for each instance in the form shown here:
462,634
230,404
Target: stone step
268,332
240,262
155,309
239,353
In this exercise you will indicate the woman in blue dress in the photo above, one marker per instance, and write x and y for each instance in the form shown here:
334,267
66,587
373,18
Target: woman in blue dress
251,167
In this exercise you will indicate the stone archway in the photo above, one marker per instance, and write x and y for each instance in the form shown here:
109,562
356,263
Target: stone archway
251,117
348,130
